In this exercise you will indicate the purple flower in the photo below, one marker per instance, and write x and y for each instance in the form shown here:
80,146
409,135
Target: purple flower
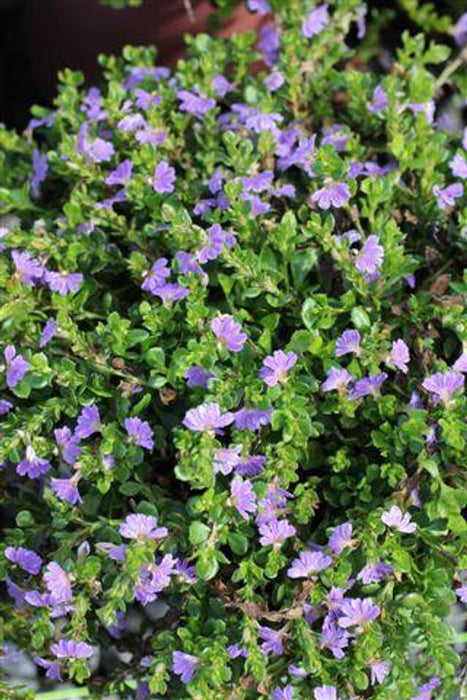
216,240
446,196
229,332
52,668
25,558
368,386
358,612
275,532
272,641
285,693
207,417
427,108
458,166
374,573
402,522
425,690
31,465
66,490
269,44
337,380
184,665
251,418
379,100
243,497
131,122
251,465
5,406
97,151
221,85
235,651
326,692
68,445
58,583
348,342
171,292
39,169
262,7
64,282
461,593
400,356
258,122
460,365
333,637
27,268
139,527
16,366
226,459
197,376
141,432
308,564
194,104
89,422
48,332
156,276
154,578
341,538
164,178
71,649
442,385
335,194
370,257
459,30
274,81
15,592
276,366
315,21
121,174
379,670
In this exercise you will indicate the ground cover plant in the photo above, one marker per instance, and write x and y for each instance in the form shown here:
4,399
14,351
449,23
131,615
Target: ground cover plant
232,386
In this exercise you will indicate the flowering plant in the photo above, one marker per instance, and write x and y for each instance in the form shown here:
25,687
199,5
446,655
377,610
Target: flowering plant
232,398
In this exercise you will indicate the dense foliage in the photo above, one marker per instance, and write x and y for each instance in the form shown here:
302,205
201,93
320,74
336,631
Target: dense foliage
232,393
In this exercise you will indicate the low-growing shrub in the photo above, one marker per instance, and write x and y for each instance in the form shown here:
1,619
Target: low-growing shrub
233,412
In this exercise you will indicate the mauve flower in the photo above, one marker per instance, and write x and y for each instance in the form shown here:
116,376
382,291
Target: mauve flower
335,194
375,572
442,385
333,637
274,81
308,564
285,693
348,342
315,21
235,651
154,578
396,519
194,104
221,85
39,170
276,366
226,459
269,44
426,108
71,649
341,538
5,407
16,366
48,332
251,418
297,671
88,423
337,380
121,174
243,496
138,526
140,431
400,355
207,417
216,240
357,612
58,583
25,558
156,276
15,592
52,668
425,690
259,122
27,267
228,332
262,7
368,386
63,282
131,122
461,593
120,196
379,100
326,692
66,490
446,196
31,465
164,178
458,166
460,365
152,136
97,151
275,532
272,641
459,30
379,670
197,376
68,444
170,292
370,258
184,665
